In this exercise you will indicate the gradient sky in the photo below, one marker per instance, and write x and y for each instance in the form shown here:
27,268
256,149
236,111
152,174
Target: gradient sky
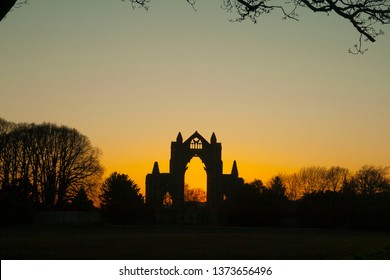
279,94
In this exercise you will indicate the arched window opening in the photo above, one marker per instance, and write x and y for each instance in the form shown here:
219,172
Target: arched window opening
195,188
167,201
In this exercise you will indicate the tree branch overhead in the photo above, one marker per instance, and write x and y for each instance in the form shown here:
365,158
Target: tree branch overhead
366,16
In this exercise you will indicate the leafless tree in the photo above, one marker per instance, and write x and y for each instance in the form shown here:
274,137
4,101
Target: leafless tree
293,190
314,179
194,194
335,178
53,161
371,179
366,16
5,126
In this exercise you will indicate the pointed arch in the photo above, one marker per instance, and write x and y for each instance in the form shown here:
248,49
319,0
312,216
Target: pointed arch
169,187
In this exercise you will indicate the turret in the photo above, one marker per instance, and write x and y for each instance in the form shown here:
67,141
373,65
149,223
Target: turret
213,139
234,169
156,169
179,138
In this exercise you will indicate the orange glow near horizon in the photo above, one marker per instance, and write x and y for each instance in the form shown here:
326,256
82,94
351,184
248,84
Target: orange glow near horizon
250,167
279,95
195,176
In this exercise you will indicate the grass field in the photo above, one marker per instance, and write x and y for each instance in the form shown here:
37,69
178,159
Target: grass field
125,242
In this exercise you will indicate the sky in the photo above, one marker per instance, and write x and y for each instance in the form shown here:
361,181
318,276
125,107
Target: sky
279,94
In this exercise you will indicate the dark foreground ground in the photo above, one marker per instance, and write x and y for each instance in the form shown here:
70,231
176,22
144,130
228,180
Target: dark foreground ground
116,242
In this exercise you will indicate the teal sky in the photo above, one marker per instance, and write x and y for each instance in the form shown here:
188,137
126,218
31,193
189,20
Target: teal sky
279,94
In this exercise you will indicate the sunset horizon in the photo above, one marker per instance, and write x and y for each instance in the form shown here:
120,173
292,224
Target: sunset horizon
196,175
280,94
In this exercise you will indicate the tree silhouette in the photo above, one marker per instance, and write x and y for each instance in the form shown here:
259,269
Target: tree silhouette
195,195
366,16
81,201
54,161
277,186
121,200
315,179
336,176
371,179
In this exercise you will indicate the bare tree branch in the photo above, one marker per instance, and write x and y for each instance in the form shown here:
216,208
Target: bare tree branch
366,16
138,3
252,9
5,7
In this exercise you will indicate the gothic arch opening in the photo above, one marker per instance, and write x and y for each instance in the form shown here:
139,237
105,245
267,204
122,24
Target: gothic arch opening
195,181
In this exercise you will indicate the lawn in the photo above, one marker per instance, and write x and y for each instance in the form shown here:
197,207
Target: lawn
126,242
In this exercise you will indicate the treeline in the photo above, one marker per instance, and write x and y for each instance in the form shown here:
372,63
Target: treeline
45,166
51,167
368,180
316,197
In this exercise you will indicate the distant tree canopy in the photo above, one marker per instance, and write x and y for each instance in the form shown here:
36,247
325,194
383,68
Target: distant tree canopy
366,16
360,200
194,194
315,179
121,200
369,179
49,163
316,197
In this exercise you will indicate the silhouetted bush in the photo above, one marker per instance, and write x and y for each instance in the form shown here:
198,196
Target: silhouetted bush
372,212
257,205
15,207
325,209
338,209
81,202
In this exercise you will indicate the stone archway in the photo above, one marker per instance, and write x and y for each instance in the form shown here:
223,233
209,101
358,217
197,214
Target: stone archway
195,182
159,185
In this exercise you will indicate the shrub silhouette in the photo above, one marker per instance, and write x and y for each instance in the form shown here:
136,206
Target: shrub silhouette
121,201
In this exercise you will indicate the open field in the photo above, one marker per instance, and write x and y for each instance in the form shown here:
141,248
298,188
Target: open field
125,242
